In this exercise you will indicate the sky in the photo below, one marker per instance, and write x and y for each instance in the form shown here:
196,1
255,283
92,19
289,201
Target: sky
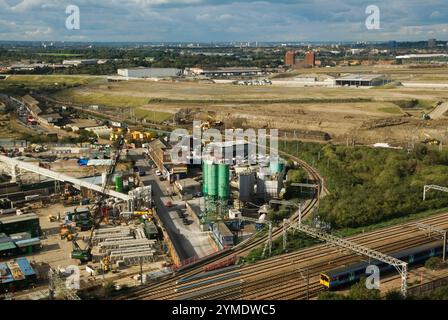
221,20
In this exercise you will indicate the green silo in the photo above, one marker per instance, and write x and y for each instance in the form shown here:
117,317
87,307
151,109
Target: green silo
224,181
119,186
205,182
213,180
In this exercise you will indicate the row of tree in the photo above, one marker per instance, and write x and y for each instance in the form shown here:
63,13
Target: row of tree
371,185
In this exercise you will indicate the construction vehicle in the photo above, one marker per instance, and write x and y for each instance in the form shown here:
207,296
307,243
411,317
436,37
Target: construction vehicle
430,140
85,255
105,264
66,232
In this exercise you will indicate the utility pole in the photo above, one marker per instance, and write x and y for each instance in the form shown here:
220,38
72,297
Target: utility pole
270,238
306,278
141,270
307,284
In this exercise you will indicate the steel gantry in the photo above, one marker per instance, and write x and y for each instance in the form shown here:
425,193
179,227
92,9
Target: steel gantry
401,266
426,188
57,284
436,232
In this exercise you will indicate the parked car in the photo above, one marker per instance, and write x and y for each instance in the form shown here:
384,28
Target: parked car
169,204
158,173
186,222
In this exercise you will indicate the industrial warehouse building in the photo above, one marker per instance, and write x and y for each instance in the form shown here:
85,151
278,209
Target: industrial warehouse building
187,188
16,274
150,72
361,80
436,58
226,72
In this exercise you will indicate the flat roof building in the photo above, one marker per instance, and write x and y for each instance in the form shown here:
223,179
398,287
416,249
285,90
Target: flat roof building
231,72
142,72
360,80
82,124
429,58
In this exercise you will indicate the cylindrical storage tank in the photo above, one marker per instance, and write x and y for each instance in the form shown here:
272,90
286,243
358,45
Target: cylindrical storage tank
119,184
246,186
272,188
213,180
277,166
104,179
261,188
224,181
205,169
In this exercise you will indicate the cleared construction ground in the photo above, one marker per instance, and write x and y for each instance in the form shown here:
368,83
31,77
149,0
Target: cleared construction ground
369,114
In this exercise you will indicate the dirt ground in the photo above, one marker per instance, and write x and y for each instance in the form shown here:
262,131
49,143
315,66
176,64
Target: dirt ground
331,110
56,253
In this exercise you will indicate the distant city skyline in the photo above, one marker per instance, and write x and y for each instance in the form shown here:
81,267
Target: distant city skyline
223,21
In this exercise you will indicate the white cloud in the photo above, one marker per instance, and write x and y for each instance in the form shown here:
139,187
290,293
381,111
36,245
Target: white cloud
221,20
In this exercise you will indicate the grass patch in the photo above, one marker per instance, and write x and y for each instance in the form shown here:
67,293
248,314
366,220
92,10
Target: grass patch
101,99
67,55
150,115
391,110
347,232
39,80
416,104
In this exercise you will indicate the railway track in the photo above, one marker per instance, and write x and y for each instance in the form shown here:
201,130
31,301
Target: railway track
240,251
277,278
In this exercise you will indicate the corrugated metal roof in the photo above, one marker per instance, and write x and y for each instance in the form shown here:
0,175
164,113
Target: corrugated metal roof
28,242
25,266
5,274
24,217
99,162
7,246
5,240
360,77
20,236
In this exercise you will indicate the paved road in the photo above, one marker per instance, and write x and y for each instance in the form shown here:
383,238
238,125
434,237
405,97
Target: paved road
439,111
188,241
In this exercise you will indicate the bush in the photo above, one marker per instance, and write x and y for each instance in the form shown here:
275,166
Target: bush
370,185
434,263
393,295
359,292
108,289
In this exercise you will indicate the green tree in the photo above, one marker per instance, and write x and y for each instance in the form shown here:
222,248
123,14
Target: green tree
359,292
108,289
327,295
434,263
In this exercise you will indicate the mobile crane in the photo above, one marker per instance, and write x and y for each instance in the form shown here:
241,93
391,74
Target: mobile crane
85,255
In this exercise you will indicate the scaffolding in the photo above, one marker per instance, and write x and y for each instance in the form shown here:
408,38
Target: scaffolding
56,284
401,266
